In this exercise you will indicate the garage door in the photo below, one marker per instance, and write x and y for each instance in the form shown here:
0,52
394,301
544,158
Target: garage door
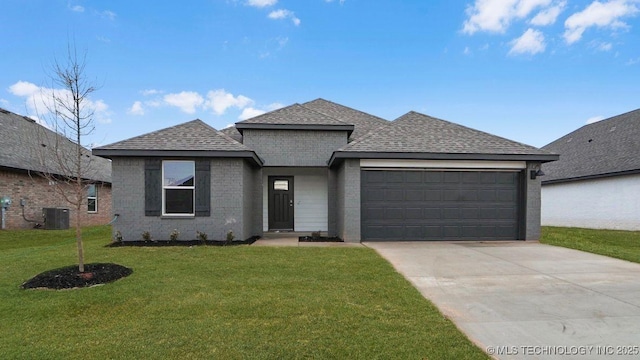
440,205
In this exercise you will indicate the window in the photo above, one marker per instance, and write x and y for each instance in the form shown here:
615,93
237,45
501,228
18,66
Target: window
178,187
92,198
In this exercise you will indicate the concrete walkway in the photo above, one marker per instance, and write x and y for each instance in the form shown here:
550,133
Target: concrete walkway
520,300
291,239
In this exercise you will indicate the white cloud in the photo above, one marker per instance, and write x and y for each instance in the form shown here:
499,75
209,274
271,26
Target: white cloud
148,92
593,119
466,51
531,42
40,101
274,106
603,15
248,113
549,15
187,101
76,8
330,1
4,102
497,15
136,108
633,61
525,7
220,100
601,46
284,14
109,14
261,3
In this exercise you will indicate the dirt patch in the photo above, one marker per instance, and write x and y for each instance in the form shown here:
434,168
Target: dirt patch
70,277
249,241
319,239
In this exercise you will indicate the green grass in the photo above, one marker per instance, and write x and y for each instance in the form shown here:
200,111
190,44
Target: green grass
615,243
217,302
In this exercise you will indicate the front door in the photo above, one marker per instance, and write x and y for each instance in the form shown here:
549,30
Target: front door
280,202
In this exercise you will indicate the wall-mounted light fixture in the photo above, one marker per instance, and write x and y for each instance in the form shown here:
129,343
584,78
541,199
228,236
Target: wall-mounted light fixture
535,172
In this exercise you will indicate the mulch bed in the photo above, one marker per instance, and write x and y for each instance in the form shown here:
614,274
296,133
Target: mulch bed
319,239
70,277
249,241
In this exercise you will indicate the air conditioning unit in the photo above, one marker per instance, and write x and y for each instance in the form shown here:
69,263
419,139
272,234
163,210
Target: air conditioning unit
56,218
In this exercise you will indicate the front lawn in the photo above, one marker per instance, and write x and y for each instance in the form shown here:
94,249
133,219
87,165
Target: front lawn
615,243
217,302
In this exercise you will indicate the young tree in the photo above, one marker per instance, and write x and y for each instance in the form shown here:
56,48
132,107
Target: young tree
70,116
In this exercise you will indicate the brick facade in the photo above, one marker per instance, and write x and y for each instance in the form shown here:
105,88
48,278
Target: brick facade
294,147
233,204
39,194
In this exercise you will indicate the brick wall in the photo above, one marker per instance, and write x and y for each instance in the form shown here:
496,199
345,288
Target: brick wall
39,194
229,208
294,147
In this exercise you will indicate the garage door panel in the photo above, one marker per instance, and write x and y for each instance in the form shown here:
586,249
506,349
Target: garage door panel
394,195
391,213
414,195
414,177
395,177
439,205
413,213
432,213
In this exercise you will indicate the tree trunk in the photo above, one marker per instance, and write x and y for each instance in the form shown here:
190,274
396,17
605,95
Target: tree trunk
79,238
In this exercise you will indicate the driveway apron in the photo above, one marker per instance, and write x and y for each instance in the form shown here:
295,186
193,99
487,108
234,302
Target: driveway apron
526,300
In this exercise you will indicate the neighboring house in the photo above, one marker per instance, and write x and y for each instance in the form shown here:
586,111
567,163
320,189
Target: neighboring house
27,150
596,182
320,166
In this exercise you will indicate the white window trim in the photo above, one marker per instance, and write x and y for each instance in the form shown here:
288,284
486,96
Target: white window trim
164,213
94,198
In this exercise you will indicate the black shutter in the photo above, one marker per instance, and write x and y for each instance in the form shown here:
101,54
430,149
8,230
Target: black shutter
203,188
152,187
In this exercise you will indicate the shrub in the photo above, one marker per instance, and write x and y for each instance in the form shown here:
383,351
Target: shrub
118,236
202,236
173,236
316,235
146,236
230,236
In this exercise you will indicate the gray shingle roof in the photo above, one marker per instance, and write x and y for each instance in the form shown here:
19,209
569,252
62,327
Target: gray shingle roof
363,122
233,133
605,147
194,135
418,133
26,145
295,114
193,139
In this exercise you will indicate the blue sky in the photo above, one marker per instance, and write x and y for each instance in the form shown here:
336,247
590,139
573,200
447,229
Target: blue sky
529,70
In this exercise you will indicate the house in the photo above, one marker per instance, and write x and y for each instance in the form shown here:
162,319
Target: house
28,150
596,182
321,166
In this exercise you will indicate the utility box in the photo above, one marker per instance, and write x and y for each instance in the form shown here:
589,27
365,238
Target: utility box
55,218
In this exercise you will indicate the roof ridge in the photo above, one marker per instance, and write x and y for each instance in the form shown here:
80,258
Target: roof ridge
348,107
267,113
323,114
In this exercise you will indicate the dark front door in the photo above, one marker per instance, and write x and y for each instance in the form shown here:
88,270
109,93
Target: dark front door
280,202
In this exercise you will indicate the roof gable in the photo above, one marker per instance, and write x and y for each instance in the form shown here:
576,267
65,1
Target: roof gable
27,145
605,147
363,122
294,117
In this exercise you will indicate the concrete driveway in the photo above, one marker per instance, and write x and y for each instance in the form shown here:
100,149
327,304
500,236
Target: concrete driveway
522,300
